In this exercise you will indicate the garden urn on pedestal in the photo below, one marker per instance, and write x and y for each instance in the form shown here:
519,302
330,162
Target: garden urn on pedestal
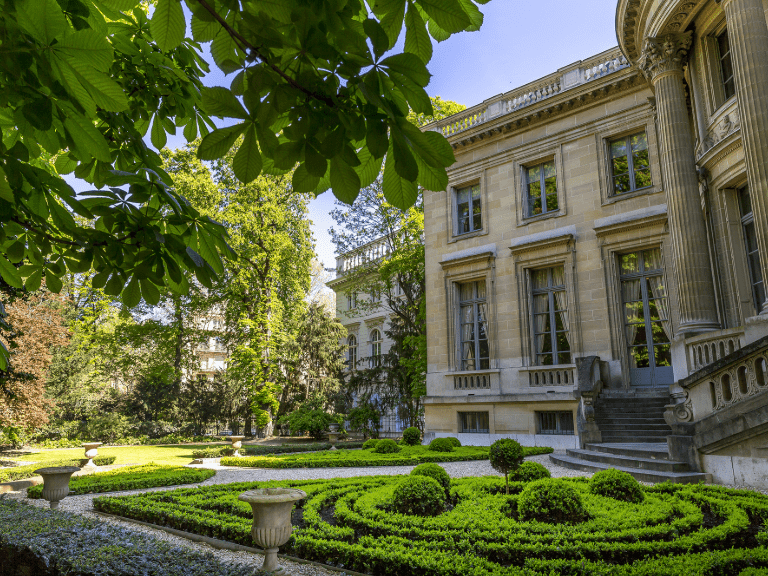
56,483
91,451
271,520
333,435
237,443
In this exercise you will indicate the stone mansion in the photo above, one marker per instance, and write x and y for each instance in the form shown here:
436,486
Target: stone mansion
595,269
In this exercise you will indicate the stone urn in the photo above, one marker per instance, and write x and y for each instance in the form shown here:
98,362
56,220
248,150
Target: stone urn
56,483
333,435
91,451
237,443
271,519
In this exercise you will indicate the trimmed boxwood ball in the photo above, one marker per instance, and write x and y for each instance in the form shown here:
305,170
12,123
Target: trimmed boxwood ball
411,436
419,496
552,501
386,446
529,472
434,471
455,441
506,455
370,444
618,485
441,445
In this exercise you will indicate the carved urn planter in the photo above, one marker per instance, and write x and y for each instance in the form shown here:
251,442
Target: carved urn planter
237,443
271,519
333,435
91,451
56,482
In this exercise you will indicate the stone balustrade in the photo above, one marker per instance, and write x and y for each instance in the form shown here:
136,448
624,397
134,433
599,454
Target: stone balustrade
565,79
471,381
366,254
563,375
709,347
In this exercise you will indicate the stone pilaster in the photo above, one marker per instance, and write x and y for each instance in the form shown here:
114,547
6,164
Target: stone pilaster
662,62
748,37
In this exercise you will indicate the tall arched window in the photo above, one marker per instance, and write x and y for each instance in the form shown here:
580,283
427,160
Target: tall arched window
351,351
375,348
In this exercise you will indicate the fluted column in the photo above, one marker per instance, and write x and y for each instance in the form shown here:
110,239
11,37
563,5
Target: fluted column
748,37
662,62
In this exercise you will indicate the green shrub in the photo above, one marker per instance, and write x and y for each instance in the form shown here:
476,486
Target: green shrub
212,452
506,455
552,501
455,441
386,446
618,485
529,472
419,496
370,444
436,472
412,436
441,445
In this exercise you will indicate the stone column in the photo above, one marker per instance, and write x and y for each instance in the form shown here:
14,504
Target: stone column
662,63
748,37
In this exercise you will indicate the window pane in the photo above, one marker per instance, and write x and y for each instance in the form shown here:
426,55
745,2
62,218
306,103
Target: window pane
558,276
619,149
549,169
534,176
539,278
476,191
660,335
745,202
484,350
640,159
534,205
643,179
544,343
638,357
629,264
480,290
633,313
652,259
540,303
663,355
467,291
477,221
639,142
631,290
563,345
551,202
564,358
561,321
621,184
541,323
750,237
544,360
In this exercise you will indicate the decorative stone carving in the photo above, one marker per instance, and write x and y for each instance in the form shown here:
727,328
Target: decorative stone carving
730,124
677,19
665,54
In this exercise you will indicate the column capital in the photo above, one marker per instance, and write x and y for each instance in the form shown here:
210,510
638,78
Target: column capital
665,54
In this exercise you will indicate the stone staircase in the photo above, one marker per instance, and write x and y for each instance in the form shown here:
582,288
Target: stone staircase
634,440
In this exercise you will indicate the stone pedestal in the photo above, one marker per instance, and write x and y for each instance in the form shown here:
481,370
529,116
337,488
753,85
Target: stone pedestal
662,63
237,443
56,483
748,38
91,451
333,437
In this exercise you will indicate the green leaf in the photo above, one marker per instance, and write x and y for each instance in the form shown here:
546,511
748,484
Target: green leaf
42,19
121,5
158,135
247,161
87,47
149,292
6,193
167,25
100,279
218,143
204,30
430,177
225,53
72,84
369,167
190,130
219,101
39,113
9,273
52,282
448,14
314,162
399,192
475,16
106,93
410,66
378,37
417,39
377,138
207,249
277,9
33,282
431,146
114,286
303,181
344,181
402,158
392,22
132,293
86,137
436,32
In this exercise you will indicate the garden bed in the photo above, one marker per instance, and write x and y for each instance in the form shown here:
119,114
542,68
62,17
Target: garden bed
22,470
407,456
41,542
131,478
677,530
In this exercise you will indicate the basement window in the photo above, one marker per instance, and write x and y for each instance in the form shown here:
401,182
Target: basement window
558,423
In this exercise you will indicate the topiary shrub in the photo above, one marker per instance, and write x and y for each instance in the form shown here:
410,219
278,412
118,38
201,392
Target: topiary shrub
506,455
386,446
552,501
419,496
434,471
529,472
411,436
455,441
618,485
441,445
370,444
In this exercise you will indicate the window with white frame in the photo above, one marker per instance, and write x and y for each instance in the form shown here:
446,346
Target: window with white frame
351,300
376,341
473,326
469,217
541,188
630,164
551,331
351,351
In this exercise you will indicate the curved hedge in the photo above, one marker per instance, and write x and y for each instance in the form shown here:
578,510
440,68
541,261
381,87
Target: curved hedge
28,470
676,531
130,478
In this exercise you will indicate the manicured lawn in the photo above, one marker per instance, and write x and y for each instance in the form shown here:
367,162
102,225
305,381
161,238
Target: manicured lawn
171,455
677,530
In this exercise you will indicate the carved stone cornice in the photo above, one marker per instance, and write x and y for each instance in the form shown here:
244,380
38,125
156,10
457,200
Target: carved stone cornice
665,54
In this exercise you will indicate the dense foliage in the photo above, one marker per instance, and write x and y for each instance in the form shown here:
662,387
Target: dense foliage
435,472
386,446
678,530
411,436
441,445
614,483
370,444
262,450
93,547
28,470
418,495
505,456
550,500
529,471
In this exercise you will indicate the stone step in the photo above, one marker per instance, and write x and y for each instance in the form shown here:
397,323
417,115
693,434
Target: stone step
644,426
656,450
640,439
652,476
657,464
627,421
623,409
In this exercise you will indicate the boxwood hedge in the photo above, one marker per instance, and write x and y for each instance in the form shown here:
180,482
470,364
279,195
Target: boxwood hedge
28,470
676,530
131,478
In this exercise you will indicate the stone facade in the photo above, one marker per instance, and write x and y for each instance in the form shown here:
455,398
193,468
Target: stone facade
609,217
